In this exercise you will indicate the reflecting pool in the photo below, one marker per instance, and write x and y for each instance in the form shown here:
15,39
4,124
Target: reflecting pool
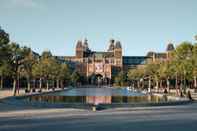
98,96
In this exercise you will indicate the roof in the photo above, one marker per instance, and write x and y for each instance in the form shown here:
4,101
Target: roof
160,55
150,54
104,54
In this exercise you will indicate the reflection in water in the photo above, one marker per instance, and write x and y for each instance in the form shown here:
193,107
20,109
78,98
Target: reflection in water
98,99
97,96
97,92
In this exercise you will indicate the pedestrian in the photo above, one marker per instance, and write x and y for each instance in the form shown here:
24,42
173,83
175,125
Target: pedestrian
189,95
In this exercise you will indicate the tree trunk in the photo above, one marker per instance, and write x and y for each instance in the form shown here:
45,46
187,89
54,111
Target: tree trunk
61,84
54,84
176,85
1,82
160,86
34,83
176,81
185,86
195,84
168,84
40,82
149,85
57,83
157,85
143,84
14,87
138,84
182,86
18,84
47,84
28,85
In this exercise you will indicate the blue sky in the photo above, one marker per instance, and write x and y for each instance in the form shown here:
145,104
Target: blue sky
140,25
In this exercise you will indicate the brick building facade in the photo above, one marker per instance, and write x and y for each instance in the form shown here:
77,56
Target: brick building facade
107,64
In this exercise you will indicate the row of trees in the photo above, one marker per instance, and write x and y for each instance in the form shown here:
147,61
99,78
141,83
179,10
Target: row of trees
179,71
18,63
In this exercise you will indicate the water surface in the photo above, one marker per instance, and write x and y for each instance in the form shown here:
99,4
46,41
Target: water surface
98,96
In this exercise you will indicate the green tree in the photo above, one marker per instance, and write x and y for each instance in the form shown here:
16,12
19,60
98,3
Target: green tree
37,72
5,71
152,73
135,76
47,60
55,70
63,75
184,62
75,78
47,68
16,62
4,40
121,78
29,59
4,56
195,64
167,72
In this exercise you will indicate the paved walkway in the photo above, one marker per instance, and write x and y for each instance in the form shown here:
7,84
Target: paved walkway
9,92
172,118
167,118
194,96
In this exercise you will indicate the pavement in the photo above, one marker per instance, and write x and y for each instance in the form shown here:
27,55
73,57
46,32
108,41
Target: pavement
194,95
8,92
164,118
167,118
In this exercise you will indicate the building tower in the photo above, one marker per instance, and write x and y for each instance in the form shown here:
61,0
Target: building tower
79,52
118,54
111,45
169,49
85,45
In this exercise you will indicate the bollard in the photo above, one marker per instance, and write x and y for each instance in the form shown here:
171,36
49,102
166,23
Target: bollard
94,108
